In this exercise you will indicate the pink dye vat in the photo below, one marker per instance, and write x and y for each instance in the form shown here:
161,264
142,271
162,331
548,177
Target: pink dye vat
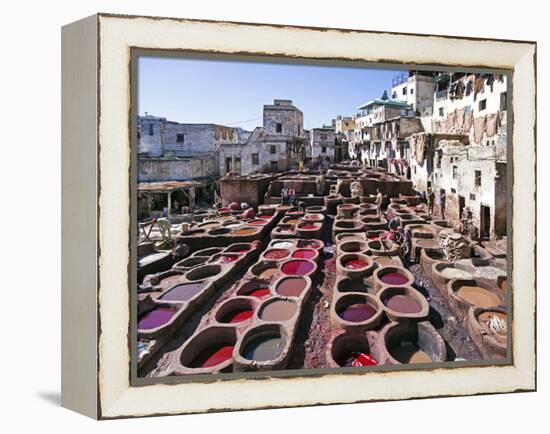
238,316
297,267
394,278
157,317
259,293
357,312
355,264
304,254
308,226
264,216
276,253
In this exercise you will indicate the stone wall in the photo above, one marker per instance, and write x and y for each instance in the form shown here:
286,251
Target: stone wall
241,189
180,169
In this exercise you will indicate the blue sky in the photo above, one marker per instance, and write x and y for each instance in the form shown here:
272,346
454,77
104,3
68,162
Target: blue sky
234,92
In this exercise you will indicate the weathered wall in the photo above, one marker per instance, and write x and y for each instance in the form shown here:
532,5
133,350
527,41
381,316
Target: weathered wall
322,138
247,190
157,169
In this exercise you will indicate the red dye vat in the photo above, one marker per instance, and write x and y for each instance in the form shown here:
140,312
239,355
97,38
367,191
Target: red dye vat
238,316
304,254
357,312
394,278
313,217
355,264
308,226
259,293
264,216
309,244
213,356
355,359
276,253
258,222
297,267
156,318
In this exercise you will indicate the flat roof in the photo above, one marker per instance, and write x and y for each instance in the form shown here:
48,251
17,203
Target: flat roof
385,102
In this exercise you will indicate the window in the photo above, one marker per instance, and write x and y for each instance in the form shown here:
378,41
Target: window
482,104
324,149
279,127
180,138
151,132
455,172
323,136
503,101
441,111
404,91
472,196
394,95
478,178
274,166
255,159
272,149
453,190
412,90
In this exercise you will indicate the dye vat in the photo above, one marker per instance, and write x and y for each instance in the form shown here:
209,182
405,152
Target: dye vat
355,359
408,352
265,347
394,278
156,317
309,244
169,281
226,259
291,286
212,356
245,232
304,254
477,296
256,222
183,292
264,216
278,310
298,267
307,226
354,285
276,254
255,288
357,312
355,264
350,350
283,245
203,272
403,304
237,316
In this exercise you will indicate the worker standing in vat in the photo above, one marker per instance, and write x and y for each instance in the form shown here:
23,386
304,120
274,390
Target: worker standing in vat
378,202
442,201
165,228
284,195
291,195
431,200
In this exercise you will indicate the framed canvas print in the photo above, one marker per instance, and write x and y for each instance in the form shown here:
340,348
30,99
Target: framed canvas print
348,216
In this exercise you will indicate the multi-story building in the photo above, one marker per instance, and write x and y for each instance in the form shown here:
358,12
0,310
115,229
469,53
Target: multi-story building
416,88
323,143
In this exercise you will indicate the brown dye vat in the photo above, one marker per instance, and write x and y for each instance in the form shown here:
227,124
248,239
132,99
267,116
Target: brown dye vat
403,304
484,319
291,286
277,310
292,221
203,272
265,270
408,352
245,231
268,273
478,296
220,231
275,254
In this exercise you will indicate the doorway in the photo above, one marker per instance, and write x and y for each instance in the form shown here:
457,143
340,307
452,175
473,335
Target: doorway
461,205
485,221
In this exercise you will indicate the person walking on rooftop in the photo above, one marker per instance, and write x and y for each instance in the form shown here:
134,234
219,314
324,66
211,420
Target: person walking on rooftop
442,201
431,200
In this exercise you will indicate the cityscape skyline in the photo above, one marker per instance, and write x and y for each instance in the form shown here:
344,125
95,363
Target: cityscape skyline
233,93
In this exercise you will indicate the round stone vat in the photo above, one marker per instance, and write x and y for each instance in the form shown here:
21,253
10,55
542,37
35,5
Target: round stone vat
310,254
278,310
412,342
479,256
211,251
383,247
201,272
267,210
219,231
298,267
347,350
210,350
316,209
443,272
353,246
314,217
292,286
184,292
283,230
236,310
310,244
264,347
161,319
391,275
265,270
347,210
349,236
256,222
291,220
193,232
254,288
428,257
275,254
209,224
354,285
242,248
466,293
441,224
356,311
190,263
225,258
403,303
377,234
347,225
354,265
308,229
283,244
246,231
489,331
379,224
421,231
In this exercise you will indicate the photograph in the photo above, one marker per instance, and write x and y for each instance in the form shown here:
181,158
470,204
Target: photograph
299,217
